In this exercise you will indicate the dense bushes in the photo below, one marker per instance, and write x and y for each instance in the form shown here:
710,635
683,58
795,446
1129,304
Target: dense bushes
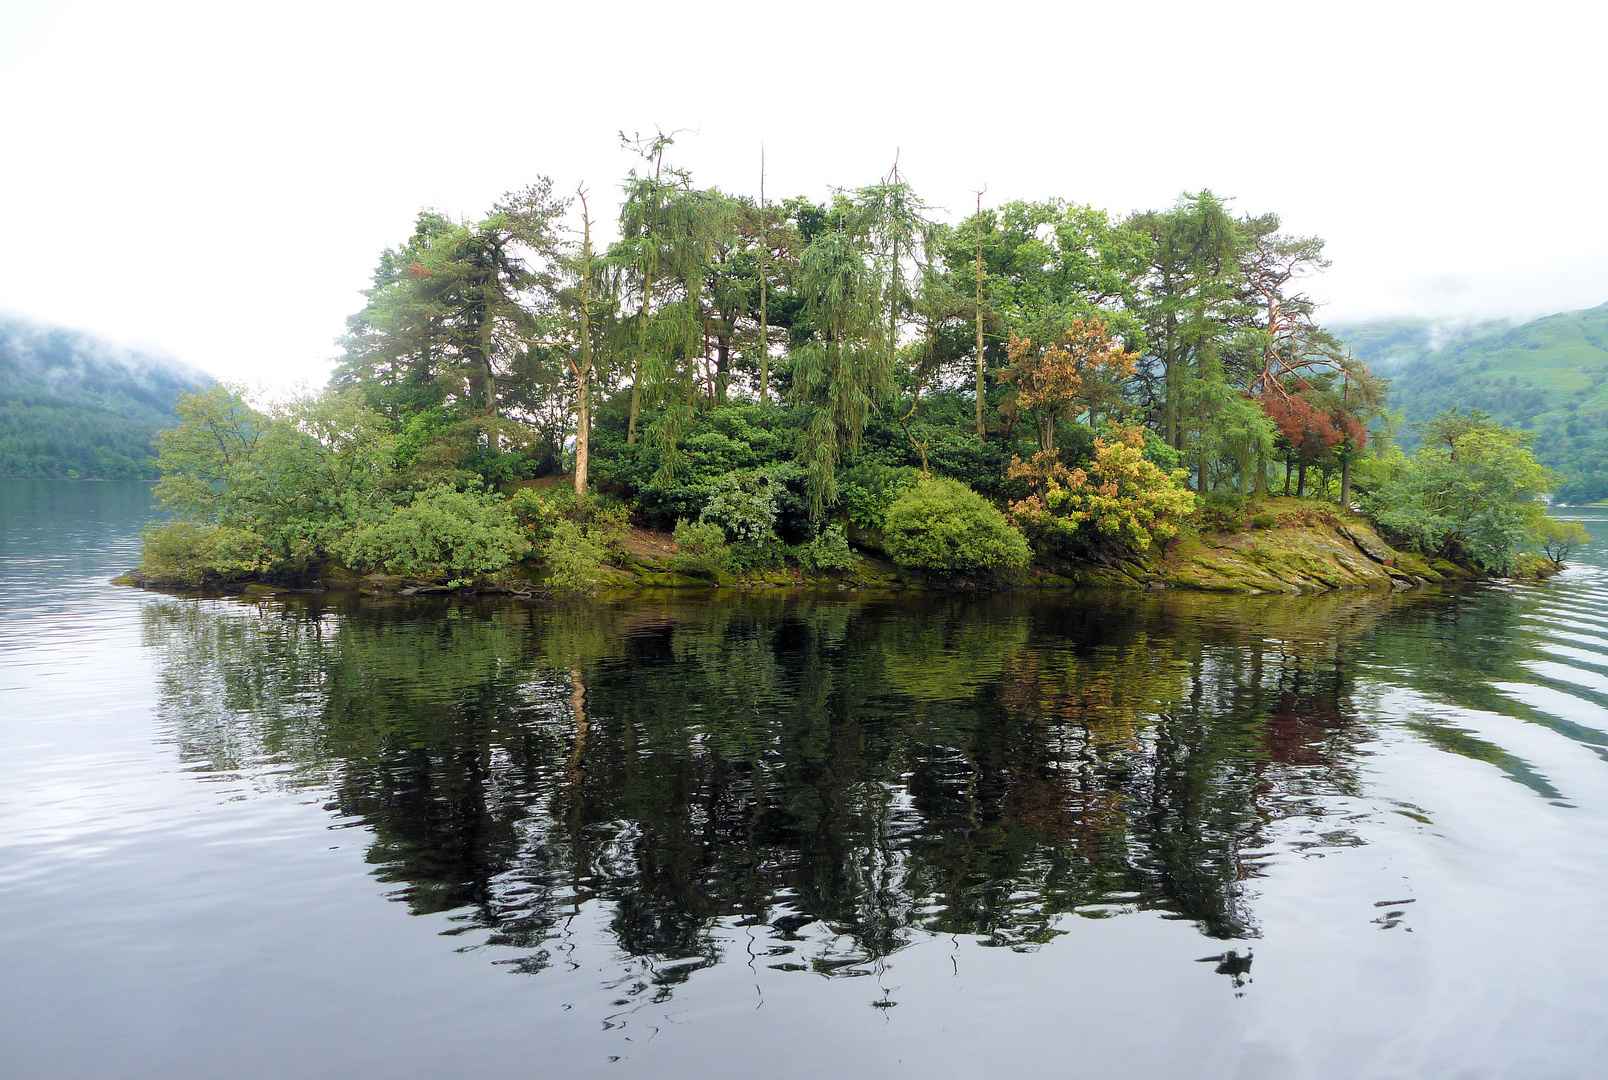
743,506
194,554
701,549
827,553
442,532
943,526
279,493
574,558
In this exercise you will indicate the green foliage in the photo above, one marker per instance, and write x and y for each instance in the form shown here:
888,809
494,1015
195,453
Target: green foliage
190,554
536,511
827,552
746,558
606,517
1471,494
574,559
701,549
1221,512
721,441
484,343
300,477
866,490
844,371
441,533
943,526
1560,539
743,505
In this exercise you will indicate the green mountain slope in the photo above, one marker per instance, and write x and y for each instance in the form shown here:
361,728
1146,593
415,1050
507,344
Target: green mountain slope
1549,376
71,405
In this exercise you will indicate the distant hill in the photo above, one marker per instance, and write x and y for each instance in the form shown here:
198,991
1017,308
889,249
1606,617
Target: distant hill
1549,376
74,406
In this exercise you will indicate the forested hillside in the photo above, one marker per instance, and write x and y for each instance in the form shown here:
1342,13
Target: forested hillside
74,406
1549,377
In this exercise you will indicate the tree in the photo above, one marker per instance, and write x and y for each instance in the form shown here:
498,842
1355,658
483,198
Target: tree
1193,306
1032,268
455,313
295,478
842,372
1471,494
1560,539
1081,374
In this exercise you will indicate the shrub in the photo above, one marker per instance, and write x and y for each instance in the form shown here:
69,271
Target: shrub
1263,521
187,553
1220,513
537,511
746,557
743,505
867,490
944,526
701,549
827,552
1121,496
442,533
574,559
607,517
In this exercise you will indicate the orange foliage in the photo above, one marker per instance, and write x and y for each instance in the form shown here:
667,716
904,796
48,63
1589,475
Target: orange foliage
1312,430
1082,371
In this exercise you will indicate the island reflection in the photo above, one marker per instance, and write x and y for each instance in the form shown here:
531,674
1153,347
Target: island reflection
842,775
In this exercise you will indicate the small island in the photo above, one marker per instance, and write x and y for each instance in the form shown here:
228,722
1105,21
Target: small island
849,393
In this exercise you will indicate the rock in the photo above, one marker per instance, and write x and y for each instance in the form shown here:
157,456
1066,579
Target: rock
1369,544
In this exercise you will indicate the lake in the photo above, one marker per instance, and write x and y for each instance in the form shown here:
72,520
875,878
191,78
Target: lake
794,834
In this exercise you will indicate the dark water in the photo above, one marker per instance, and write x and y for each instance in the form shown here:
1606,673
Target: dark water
768,835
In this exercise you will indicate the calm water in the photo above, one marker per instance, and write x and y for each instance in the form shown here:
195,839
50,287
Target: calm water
794,836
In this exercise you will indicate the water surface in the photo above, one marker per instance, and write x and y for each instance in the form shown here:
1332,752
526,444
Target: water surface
793,834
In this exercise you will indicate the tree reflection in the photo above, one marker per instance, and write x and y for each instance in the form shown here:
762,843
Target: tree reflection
844,775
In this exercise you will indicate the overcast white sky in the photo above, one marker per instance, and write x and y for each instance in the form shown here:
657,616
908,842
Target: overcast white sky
216,179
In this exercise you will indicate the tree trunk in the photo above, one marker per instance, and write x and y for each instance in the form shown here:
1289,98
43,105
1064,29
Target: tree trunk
982,427
1300,483
636,399
583,435
648,269
1345,483
722,363
583,372
1289,466
764,323
492,438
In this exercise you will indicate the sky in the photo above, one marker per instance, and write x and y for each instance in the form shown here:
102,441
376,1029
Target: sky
216,181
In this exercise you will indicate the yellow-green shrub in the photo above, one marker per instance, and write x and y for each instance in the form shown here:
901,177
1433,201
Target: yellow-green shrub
944,526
